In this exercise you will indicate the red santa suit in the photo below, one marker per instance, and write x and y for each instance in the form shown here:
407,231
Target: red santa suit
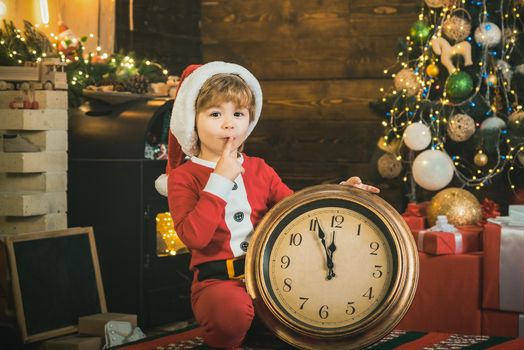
215,217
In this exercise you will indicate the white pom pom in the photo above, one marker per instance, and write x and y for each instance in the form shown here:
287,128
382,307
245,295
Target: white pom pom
161,185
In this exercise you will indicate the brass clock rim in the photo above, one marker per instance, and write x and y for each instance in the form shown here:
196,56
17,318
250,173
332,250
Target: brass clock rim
385,317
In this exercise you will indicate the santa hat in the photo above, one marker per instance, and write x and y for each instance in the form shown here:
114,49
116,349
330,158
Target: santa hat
183,137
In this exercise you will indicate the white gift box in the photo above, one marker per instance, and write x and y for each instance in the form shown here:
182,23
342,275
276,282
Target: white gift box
516,212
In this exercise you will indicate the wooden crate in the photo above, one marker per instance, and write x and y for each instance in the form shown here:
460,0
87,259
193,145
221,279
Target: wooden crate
21,224
33,162
33,203
29,119
32,182
47,99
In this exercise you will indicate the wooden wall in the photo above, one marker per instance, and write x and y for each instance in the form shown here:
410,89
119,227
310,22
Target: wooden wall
320,63
166,31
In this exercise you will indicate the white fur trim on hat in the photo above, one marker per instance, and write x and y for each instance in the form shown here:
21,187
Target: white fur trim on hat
184,108
161,185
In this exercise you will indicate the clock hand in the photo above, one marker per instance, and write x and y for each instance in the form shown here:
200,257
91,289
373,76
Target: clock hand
332,247
322,237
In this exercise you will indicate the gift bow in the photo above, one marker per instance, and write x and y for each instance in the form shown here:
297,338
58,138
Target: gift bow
413,209
490,209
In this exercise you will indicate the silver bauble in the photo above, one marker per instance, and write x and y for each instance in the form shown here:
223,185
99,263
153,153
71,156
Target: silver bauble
488,34
388,166
493,123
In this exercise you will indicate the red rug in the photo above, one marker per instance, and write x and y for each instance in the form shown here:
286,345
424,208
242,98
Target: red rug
191,338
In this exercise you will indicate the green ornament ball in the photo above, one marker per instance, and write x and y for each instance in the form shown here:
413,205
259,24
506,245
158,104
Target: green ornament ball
459,86
420,32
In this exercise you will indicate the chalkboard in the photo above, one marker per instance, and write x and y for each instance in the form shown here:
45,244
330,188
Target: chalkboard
56,279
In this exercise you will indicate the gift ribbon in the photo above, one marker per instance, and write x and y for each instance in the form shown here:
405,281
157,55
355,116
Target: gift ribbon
511,269
459,246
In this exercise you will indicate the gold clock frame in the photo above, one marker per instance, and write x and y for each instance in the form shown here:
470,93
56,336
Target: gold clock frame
383,319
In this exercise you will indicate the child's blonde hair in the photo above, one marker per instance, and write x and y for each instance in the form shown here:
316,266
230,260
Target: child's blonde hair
226,87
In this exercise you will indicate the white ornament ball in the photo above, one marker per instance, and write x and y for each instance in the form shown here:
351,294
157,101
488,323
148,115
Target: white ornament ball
456,28
461,127
433,170
439,3
520,157
493,123
407,80
488,34
417,136
388,166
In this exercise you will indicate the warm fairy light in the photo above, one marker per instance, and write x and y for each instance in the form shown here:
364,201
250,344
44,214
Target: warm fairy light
44,11
168,242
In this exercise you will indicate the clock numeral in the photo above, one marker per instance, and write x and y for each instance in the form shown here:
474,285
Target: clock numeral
374,246
358,229
323,312
313,225
377,273
336,221
287,285
305,300
285,262
350,309
295,239
369,293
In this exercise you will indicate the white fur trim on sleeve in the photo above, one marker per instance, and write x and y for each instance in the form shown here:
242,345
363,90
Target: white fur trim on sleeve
219,186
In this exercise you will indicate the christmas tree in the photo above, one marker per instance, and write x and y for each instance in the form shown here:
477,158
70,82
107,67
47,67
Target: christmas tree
455,113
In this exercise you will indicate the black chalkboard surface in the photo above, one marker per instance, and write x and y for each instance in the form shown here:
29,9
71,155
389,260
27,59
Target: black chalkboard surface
56,279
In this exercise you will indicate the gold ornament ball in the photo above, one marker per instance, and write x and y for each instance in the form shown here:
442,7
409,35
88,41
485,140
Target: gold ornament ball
516,119
460,207
406,80
432,70
480,159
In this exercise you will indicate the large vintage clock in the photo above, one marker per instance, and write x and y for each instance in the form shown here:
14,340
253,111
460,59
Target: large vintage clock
332,267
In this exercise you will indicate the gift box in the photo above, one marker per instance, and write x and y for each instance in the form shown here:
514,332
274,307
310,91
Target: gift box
503,286
502,324
75,342
448,295
466,240
415,216
94,324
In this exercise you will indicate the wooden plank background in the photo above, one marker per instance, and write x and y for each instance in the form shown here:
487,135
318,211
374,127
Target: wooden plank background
320,64
306,39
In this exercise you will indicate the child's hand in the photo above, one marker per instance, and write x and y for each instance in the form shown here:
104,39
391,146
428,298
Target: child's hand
355,181
228,165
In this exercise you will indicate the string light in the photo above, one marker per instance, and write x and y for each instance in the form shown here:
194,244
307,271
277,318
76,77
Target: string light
442,108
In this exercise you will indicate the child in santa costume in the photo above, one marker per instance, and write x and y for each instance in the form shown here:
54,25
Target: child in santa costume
218,196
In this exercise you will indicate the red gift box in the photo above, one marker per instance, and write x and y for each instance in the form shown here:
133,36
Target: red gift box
466,240
502,324
415,216
448,295
503,286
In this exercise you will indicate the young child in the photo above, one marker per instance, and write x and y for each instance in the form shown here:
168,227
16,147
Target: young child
218,196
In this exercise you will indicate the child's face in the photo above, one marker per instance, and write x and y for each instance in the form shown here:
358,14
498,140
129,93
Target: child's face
216,124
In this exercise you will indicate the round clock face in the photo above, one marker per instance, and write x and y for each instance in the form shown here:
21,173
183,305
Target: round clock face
328,265
332,267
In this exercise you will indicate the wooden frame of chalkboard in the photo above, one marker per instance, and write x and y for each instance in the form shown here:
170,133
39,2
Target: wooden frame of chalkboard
56,279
